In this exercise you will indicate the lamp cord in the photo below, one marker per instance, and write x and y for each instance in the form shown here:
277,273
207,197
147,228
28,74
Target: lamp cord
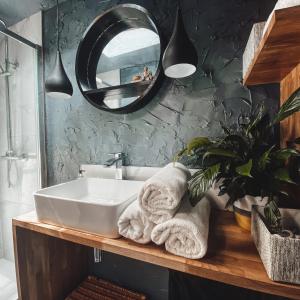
57,25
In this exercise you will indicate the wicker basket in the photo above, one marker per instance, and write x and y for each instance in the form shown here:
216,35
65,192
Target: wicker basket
280,255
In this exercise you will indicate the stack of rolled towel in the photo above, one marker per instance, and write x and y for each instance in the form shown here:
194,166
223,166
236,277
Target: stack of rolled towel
162,213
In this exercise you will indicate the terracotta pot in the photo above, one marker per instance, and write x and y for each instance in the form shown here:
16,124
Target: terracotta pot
242,210
242,217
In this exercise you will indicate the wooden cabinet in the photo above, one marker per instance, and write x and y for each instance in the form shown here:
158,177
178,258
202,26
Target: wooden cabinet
47,268
51,261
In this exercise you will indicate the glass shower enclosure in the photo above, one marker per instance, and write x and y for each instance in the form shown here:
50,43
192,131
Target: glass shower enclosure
20,151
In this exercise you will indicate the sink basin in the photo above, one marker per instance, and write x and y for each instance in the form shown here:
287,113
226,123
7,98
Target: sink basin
87,204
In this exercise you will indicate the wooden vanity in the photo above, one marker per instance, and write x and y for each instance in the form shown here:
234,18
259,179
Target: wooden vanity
51,261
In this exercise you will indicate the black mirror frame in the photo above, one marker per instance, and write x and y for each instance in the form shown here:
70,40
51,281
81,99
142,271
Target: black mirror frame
96,37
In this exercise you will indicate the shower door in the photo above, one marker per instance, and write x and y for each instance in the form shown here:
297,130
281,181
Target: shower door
20,159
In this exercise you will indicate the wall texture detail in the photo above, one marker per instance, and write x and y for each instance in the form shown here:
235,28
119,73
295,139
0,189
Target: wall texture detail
79,133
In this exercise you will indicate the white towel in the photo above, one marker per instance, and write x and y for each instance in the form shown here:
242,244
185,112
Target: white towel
186,234
161,194
134,225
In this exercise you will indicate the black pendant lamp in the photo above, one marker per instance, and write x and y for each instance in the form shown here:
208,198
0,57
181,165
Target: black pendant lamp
58,84
180,58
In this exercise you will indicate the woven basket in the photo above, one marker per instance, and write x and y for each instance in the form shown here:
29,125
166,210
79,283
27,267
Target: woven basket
280,255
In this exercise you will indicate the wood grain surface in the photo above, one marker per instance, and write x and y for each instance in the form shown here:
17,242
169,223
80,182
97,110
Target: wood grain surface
279,50
47,268
232,257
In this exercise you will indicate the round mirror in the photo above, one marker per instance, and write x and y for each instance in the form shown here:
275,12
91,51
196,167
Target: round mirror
118,64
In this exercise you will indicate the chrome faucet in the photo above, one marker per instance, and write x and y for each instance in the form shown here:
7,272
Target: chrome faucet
80,172
117,160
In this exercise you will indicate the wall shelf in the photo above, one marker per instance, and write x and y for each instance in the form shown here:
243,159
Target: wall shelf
278,52
127,90
232,257
277,60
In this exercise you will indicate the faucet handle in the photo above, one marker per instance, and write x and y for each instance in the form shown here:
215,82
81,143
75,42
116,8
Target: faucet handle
117,155
80,172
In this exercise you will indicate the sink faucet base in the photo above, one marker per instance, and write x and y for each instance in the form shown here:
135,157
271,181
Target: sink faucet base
118,161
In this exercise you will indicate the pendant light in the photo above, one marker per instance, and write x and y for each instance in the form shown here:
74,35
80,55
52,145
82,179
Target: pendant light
58,84
180,58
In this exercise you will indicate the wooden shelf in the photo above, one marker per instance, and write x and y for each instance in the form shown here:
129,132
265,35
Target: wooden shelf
127,90
279,50
232,257
277,60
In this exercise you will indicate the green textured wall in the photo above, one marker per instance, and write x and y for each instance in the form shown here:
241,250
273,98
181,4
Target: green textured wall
79,133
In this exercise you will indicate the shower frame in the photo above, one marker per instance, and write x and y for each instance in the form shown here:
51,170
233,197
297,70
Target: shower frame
40,95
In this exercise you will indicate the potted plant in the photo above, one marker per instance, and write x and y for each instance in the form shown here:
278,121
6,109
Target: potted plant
246,161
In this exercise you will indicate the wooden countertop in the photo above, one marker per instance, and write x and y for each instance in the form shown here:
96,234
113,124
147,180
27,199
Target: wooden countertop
232,257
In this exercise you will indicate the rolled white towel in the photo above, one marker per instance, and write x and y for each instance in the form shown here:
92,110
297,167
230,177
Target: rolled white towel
187,233
134,224
161,194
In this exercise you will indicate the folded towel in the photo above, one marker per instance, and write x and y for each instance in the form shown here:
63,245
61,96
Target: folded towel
134,225
186,234
161,194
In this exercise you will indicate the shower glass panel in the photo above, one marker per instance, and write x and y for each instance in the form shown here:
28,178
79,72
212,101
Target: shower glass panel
20,164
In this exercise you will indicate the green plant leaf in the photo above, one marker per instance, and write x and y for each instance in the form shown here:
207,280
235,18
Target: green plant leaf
196,143
234,188
282,174
202,180
220,152
284,154
285,193
236,142
247,101
265,159
180,154
245,170
273,216
288,108
226,130
256,119
191,146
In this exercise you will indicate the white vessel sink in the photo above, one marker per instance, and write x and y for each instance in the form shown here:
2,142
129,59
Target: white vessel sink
87,204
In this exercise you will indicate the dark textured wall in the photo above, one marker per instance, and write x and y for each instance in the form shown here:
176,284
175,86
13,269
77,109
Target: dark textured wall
13,11
79,133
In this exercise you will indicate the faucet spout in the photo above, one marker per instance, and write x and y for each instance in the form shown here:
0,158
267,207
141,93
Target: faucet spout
118,161
110,162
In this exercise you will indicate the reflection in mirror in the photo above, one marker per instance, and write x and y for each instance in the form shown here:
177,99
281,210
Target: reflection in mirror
128,62
118,101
